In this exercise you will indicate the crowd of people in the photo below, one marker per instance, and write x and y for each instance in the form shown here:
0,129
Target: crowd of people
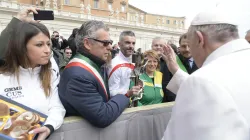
87,76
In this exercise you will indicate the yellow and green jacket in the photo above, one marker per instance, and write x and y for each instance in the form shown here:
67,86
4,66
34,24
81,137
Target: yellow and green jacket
153,93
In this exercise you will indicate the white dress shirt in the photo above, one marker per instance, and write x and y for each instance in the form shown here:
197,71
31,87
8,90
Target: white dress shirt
191,61
213,103
119,80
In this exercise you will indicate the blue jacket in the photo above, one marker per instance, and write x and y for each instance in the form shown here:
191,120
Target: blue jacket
82,95
4,137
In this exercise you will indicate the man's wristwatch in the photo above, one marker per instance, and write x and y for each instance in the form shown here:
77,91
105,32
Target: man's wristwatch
127,95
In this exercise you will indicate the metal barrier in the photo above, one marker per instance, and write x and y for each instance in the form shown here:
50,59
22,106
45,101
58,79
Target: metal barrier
139,123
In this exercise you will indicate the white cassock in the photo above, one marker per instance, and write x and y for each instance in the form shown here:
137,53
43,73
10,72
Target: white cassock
214,102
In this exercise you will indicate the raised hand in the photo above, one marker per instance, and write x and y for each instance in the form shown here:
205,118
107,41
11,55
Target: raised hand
23,15
169,57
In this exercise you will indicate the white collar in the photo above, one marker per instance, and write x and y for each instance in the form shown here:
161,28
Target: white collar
127,59
34,71
230,47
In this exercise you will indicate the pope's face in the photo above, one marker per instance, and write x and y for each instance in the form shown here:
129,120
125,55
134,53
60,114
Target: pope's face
196,50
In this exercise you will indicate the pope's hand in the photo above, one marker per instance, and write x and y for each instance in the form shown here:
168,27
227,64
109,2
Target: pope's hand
169,57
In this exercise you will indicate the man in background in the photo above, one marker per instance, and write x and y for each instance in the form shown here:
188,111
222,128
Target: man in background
121,66
58,46
66,57
58,41
115,51
157,45
67,53
186,56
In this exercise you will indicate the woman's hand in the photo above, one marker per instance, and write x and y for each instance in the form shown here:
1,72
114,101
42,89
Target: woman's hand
43,132
23,14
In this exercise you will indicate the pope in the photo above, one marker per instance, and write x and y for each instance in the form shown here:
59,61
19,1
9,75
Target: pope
213,102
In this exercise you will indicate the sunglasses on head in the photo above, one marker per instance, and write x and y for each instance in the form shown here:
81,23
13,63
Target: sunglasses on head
104,42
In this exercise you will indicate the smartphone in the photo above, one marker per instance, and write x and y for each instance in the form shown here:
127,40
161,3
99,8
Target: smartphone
44,15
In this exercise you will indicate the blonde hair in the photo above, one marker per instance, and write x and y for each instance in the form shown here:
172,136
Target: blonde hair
153,54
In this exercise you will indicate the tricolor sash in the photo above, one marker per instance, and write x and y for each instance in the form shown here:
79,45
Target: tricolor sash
85,63
180,64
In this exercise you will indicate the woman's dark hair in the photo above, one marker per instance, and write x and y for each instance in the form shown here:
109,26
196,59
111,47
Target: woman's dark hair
16,53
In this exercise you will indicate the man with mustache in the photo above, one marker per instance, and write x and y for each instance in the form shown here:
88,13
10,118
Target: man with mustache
185,55
121,66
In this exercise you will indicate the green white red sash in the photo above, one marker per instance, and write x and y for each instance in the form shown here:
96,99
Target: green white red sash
90,66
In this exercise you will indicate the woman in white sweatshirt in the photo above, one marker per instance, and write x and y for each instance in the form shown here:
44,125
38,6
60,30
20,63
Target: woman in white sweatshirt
30,76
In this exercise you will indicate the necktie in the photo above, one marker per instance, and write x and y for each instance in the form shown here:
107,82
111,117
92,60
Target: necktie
190,63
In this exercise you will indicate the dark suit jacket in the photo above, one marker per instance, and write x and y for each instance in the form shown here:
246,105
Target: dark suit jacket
167,76
82,95
185,62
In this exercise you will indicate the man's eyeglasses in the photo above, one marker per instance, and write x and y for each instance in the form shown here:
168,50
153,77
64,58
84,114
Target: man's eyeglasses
104,42
68,53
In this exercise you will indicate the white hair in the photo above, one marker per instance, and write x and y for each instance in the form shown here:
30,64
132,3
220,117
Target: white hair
220,33
88,29
157,38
